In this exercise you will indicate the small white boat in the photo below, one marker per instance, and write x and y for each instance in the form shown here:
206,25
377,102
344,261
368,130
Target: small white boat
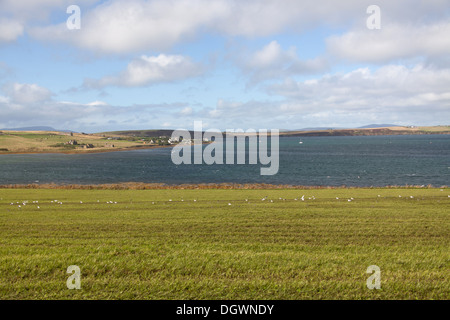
300,142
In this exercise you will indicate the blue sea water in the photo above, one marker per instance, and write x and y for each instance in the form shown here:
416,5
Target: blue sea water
318,161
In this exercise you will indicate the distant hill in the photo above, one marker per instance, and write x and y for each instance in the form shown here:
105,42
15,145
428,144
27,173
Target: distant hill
369,130
372,126
318,129
36,128
377,131
369,126
140,133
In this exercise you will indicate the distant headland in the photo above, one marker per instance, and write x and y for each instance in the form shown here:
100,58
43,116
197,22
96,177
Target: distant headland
49,140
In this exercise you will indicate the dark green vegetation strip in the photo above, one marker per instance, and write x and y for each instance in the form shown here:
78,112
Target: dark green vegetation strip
222,246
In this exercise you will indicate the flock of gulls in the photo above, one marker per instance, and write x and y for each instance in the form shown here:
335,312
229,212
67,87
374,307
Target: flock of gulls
21,204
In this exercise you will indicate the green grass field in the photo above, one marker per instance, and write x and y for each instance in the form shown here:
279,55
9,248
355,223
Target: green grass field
224,247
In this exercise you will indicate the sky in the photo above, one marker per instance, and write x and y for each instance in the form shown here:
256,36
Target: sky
232,64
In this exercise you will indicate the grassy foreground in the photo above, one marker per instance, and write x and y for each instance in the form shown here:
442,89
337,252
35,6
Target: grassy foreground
161,244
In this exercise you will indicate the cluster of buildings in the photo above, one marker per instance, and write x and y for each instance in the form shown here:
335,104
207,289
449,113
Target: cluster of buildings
85,146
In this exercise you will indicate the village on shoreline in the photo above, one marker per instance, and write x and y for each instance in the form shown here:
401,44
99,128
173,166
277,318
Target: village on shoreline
32,142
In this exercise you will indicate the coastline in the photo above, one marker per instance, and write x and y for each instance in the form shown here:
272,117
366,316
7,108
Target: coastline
313,133
83,151
361,132
197,186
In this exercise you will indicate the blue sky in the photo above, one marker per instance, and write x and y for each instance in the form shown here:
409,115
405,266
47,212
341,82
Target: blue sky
232,64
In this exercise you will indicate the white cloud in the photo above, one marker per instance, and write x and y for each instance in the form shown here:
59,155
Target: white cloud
392,42
391,92
97,103
270,55
187,111
138,25
155,25
131,26
31,105
10,30
147,70
27,93
32,10
273,62
238,114
17,16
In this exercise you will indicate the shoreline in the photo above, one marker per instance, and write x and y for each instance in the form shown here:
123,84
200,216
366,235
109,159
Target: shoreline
84,151
81,151
197,186
360,133
290,134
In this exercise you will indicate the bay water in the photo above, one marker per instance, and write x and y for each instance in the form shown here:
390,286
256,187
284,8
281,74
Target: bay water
316,161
